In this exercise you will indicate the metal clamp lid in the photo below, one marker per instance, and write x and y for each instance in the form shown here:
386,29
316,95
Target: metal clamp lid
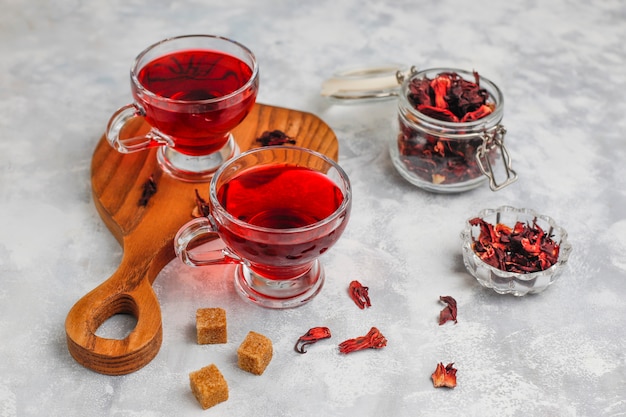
365,83
493,140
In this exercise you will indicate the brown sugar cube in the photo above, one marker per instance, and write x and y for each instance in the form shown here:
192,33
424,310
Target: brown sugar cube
211,326
208,386
254,353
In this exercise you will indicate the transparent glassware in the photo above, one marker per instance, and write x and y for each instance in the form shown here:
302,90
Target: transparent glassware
191,91
450,157
277,261
503,282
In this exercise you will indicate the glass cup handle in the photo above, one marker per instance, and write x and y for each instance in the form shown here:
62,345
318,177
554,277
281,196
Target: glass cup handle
201,231
121,118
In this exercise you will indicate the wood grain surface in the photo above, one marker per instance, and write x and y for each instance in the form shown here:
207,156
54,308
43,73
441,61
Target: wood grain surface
146,234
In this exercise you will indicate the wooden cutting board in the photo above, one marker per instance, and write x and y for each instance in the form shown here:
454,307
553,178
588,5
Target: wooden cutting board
146,234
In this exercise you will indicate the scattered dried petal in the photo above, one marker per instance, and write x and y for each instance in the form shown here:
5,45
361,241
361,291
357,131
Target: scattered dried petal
149,189
444,376
372,340
202,208
312,336
359,294
275,137
449,312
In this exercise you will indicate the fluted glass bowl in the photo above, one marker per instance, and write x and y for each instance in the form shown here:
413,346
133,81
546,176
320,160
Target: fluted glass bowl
516,283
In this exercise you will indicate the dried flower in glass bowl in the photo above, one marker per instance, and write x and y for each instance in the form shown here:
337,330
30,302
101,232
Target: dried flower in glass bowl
514,251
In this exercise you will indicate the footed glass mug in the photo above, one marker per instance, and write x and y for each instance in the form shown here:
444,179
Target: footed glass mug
276,210
192,91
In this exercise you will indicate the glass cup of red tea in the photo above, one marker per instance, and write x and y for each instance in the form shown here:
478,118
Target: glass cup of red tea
192,91
273,211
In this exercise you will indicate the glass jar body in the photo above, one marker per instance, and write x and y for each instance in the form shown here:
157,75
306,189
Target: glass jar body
445,156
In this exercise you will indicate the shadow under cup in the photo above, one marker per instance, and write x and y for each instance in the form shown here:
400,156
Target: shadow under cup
276,210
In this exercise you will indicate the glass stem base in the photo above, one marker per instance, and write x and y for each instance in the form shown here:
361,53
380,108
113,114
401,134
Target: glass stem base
190,168
279,294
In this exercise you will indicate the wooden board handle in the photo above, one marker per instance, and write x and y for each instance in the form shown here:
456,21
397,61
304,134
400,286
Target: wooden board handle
127,291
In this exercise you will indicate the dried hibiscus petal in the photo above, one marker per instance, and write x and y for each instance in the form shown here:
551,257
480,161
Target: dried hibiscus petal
479,113
149,189
440,86
312,336
524,248
438,113
202,207
444,376
372,340
449,91
449,312
359,294
275,137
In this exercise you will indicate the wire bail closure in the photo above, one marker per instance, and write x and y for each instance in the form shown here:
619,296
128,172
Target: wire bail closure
401,76
492,140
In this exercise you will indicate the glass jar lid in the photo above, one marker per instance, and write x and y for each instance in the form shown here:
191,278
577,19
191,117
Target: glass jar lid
365,83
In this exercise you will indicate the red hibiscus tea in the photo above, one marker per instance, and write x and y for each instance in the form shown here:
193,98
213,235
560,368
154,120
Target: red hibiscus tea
166,85
280,196
286,199
189,93
275,209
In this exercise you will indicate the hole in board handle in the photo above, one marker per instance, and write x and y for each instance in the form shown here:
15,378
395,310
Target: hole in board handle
118,326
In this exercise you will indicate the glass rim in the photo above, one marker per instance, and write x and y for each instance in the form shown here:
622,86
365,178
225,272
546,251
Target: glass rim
135,67
216,205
